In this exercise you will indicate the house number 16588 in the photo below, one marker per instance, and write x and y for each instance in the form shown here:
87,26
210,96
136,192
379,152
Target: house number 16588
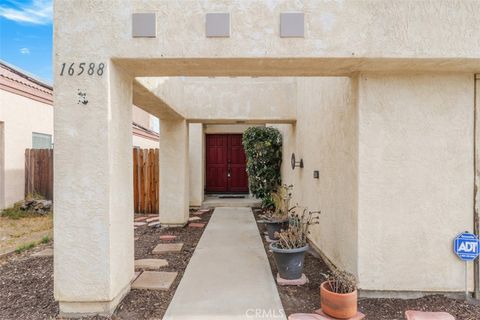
81,68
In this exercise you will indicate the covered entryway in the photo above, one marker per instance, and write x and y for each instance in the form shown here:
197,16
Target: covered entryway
379,137
225,164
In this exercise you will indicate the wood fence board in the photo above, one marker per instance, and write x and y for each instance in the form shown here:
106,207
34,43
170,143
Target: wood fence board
39,177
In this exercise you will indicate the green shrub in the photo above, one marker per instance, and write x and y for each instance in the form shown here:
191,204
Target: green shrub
45,239
263,149
25,247
15,212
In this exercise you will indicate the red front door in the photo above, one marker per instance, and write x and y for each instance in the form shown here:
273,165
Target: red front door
225,163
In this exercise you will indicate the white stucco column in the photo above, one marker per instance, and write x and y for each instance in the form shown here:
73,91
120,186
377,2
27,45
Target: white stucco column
196,163
174,172
93,225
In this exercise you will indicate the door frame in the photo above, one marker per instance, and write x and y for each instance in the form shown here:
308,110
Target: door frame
206,192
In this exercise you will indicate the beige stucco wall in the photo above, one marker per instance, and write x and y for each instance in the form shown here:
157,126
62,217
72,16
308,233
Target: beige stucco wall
403,29
424,140
21,117
144,143
227,99
415,179
196,162
141,117
93,227
325,137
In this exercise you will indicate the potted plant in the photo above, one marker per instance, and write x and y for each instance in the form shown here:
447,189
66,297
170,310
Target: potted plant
338,295
276,215
289,250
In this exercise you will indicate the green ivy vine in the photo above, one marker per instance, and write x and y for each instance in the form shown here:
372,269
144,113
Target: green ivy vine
263,149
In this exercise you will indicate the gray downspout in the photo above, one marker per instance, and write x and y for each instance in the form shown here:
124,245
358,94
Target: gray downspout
476,200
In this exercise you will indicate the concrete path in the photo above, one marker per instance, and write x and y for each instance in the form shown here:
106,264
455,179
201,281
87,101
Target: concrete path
228,276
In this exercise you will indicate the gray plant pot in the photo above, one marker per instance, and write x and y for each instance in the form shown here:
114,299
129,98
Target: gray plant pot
275,226
289,261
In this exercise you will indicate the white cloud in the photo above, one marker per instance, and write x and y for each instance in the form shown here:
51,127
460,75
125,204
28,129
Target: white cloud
33,12
25,51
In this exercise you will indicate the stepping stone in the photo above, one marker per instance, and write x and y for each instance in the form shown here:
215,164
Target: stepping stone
150,264
167,247
44,253
194,219
139,224
200,212
152,219
196,225
305,316
295,282
154,224
135,276
421,315
168,237
154,280
139,219
319,312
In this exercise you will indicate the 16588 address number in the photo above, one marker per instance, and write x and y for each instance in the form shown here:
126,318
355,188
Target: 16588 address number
81,68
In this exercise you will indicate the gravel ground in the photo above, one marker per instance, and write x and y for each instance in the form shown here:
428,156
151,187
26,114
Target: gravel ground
306,299
152,304
26,286
26,282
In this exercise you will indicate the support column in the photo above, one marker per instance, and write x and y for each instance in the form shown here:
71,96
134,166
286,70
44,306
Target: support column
174,185
196,163
93,225
476,188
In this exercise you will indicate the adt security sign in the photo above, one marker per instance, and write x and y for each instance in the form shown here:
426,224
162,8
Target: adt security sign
466,246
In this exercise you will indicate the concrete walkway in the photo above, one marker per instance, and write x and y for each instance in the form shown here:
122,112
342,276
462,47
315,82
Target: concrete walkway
228,276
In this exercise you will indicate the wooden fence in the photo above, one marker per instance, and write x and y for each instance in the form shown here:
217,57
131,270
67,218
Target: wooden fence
145,180
39,172
39,177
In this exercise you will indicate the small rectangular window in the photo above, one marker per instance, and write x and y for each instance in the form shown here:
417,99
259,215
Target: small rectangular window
41,141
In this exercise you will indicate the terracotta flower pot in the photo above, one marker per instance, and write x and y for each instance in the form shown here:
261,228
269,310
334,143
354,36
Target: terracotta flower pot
337,305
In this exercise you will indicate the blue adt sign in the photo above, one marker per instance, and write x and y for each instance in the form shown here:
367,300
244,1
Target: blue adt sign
466,246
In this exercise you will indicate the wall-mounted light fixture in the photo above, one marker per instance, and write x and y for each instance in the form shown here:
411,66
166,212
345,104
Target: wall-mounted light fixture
296,164
316,174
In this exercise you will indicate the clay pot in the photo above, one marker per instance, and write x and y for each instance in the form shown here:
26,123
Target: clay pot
337,305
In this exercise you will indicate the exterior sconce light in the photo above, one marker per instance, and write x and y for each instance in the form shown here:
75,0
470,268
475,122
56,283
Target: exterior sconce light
316,174
295,163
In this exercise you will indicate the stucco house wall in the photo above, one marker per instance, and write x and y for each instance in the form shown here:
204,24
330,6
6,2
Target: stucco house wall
325,137
427,144
25,108
415,179
145,134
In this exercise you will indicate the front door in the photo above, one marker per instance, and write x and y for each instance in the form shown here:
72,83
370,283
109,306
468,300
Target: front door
226,163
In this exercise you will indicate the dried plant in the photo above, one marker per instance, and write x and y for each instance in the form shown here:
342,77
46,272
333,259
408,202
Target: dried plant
281,200
297,234
341,281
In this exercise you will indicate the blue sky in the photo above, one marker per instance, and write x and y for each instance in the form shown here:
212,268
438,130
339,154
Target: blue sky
26,35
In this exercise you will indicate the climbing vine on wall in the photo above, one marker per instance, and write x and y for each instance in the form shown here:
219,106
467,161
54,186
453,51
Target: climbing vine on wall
263,149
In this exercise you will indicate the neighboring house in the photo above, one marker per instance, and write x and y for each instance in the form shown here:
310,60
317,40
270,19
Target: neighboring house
26,121
145,129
